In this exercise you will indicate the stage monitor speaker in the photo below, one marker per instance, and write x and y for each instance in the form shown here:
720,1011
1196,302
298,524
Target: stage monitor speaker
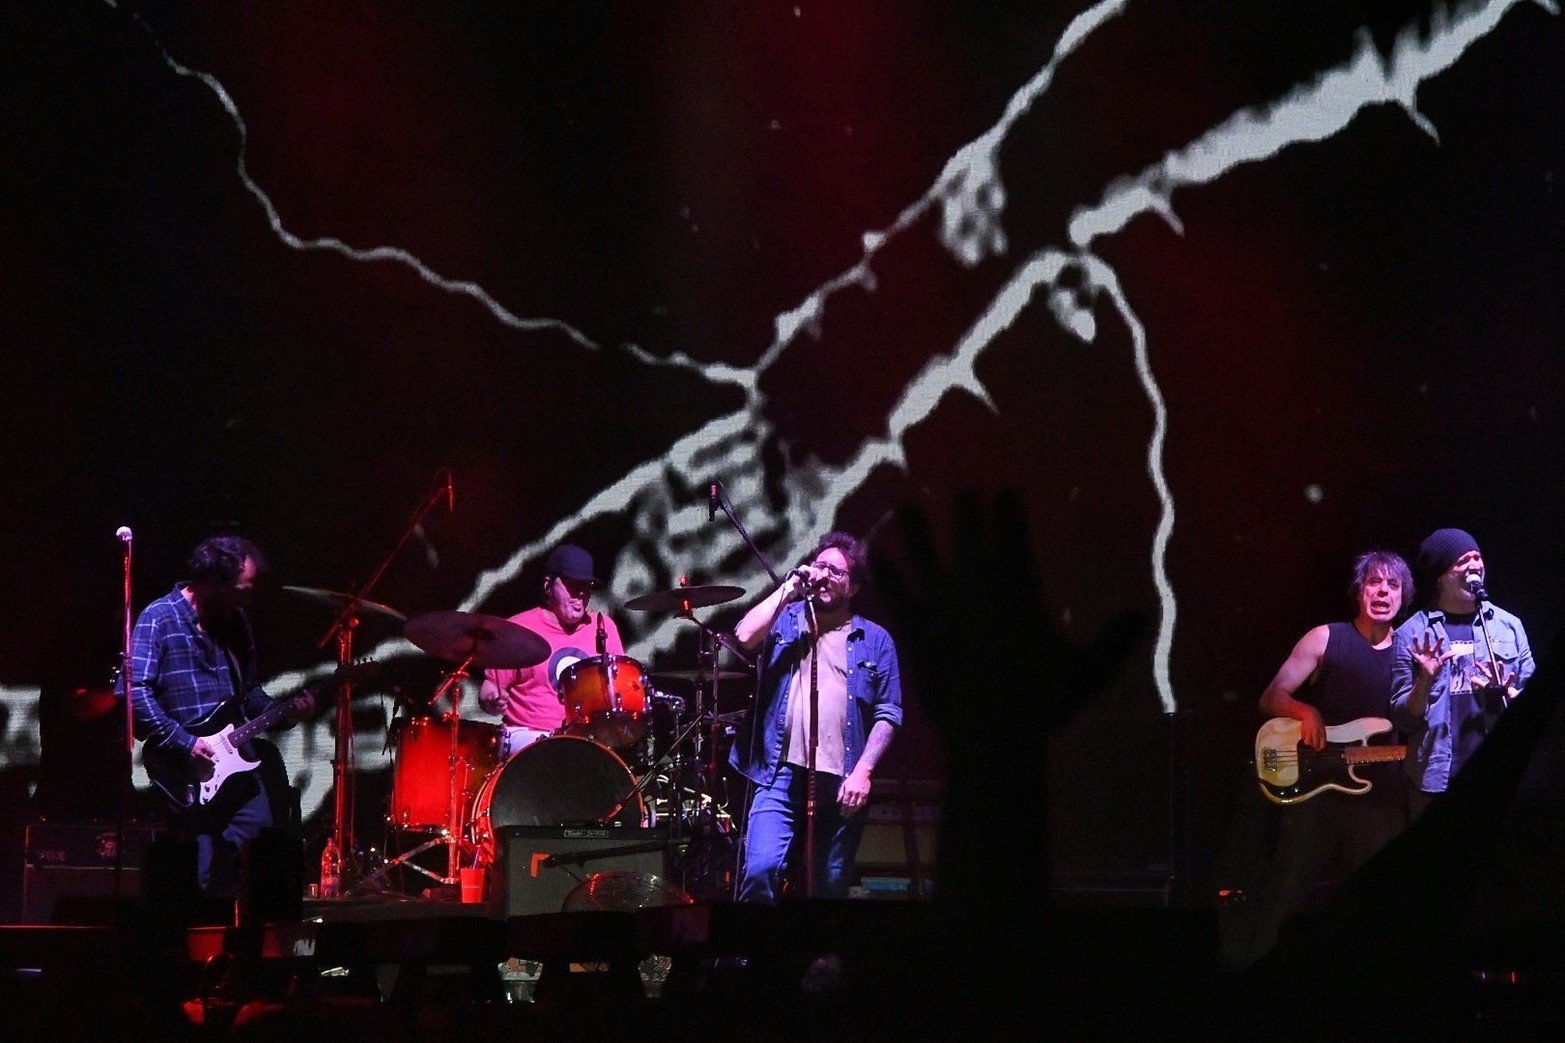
543,864
896,856
69,874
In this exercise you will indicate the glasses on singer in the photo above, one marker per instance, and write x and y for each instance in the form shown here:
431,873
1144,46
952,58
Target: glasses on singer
831,570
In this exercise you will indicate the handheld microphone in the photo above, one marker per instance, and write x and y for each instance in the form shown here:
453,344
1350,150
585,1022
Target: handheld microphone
808,583
123,533
711,501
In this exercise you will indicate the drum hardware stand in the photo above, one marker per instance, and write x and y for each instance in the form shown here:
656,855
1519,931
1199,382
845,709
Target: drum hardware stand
342,629
706,705
451,834
651,774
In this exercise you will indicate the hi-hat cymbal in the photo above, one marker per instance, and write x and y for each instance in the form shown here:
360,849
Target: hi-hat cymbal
493,643
677,599
701,675
337,601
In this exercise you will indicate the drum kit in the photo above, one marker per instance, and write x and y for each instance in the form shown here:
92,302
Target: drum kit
454,780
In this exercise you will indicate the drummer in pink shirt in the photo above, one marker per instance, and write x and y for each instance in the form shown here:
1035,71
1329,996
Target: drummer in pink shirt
531,701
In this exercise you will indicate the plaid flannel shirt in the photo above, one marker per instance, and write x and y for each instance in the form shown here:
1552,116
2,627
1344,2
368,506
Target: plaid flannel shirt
180,673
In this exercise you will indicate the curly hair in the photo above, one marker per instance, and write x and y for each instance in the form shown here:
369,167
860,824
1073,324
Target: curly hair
852,548
220,559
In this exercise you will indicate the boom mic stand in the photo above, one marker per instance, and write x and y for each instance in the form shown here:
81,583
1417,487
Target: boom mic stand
719,498
341,630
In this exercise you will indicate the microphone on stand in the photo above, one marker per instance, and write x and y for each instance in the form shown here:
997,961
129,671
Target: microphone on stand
603,639
450,493
711,501
1475,587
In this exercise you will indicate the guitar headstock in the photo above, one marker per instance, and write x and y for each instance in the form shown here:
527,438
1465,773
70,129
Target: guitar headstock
357,672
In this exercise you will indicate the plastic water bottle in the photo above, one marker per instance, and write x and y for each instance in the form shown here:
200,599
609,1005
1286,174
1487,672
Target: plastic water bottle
331,868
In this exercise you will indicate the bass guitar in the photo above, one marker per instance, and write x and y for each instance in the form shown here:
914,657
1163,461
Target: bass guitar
186,782
1291,772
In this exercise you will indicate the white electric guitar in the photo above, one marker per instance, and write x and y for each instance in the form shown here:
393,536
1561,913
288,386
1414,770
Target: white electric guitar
1291,772
185,781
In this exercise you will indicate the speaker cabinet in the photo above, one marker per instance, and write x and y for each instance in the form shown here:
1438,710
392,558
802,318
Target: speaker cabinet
896,856
541,865
69,874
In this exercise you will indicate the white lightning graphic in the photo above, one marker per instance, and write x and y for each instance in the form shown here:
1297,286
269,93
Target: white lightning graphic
671,530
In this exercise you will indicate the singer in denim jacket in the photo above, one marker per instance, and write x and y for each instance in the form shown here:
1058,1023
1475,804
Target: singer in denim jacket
767,751
1447,689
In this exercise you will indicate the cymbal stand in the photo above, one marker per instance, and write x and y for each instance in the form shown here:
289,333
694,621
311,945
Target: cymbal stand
451,835
342,629
710,641
652,772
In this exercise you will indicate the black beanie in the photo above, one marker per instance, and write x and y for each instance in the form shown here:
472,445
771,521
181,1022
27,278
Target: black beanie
1438,551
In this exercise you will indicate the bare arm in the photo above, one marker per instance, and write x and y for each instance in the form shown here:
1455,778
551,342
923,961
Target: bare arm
1278,701
853,794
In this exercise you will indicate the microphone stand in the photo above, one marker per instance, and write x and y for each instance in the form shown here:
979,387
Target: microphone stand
341,630
720,495
809,748
130,722
1481,600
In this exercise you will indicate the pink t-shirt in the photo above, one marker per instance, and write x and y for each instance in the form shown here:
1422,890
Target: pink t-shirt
531,697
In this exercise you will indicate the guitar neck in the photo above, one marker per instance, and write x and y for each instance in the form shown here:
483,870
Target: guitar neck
270,716
1373,754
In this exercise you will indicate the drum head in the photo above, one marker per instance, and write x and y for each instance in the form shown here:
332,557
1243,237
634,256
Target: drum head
562,781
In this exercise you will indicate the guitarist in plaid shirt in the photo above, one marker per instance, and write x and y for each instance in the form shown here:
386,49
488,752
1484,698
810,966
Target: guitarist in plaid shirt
193,669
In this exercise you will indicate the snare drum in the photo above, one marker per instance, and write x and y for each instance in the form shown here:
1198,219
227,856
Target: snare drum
605,700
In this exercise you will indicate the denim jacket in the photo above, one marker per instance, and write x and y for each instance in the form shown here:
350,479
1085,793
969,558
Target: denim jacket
1429,736
874,692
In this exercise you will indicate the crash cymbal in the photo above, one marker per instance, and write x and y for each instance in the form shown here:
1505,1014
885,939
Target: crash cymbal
494,643
702,675
678,599
337,601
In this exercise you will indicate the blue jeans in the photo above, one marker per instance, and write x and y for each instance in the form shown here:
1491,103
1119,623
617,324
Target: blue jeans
242,810
774,839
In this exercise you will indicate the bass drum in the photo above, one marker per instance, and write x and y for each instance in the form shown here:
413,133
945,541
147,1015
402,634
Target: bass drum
561,781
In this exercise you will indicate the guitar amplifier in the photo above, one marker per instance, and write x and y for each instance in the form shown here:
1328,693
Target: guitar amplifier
65,861
541,865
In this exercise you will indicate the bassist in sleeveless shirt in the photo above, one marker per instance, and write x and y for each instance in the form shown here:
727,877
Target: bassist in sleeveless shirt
1337,673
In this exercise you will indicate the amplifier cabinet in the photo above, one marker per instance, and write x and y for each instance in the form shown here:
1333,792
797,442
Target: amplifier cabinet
541,865
66,861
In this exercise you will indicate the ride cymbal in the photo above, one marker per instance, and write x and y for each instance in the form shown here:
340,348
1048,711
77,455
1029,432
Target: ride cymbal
679,599
492,642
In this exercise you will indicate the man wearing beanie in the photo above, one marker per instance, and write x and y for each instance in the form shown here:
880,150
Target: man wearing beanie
1455,665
